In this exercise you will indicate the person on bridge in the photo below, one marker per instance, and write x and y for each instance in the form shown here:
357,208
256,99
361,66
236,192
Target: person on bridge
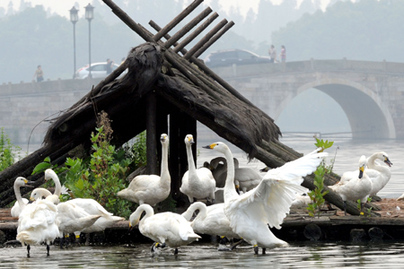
38,74
272,54
283,54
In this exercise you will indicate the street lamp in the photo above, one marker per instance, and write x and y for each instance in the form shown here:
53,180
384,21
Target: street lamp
89,16
74,18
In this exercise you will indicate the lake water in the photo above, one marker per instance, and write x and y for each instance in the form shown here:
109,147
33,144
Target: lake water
297,255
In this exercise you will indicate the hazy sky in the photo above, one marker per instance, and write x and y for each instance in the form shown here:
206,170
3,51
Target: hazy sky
63,7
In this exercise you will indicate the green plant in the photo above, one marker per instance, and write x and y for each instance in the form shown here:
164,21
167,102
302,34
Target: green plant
8,151
317,194
100,176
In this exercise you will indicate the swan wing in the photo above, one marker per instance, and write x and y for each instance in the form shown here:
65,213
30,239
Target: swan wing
271,200
298,168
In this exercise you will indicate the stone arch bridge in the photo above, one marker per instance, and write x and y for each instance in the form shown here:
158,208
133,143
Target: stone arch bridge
370,93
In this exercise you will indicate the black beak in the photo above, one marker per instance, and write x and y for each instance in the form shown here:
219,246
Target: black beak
387,161
206,147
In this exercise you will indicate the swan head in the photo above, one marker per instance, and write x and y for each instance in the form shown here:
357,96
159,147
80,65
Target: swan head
20,181
49,174
164,138
39,193
189,139
362,165
385,159
133,220
219,146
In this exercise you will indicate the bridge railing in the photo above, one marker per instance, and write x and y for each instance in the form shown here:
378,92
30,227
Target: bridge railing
310,66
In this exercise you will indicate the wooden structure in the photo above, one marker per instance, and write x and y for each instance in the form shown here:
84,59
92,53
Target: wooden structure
164,92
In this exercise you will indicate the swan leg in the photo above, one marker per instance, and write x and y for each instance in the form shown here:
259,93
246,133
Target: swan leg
236,244
176,251
256,249
28,249
47,249
264,251
345,207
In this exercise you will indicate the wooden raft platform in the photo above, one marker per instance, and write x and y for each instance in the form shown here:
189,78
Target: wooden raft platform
298,226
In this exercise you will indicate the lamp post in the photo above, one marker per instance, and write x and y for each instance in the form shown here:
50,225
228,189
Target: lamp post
74,18
89,16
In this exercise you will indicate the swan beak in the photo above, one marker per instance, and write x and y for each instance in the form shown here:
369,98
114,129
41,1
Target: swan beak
211,146
387,161
361,172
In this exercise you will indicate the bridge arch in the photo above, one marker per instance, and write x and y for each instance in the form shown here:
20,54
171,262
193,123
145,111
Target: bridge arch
368,116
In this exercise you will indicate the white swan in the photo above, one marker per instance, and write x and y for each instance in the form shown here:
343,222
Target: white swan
197,183
150,189
163,228
210,220
92,207
251,213
354,186
73,219
378,174
37,224
21,202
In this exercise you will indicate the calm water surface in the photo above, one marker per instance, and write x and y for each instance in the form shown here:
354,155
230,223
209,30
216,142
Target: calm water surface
305,255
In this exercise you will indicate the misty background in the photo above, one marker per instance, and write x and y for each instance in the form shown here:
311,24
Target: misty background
366,30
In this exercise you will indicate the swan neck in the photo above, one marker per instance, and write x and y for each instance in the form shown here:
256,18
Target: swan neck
164,172
18,196
373,165
229,187
58,186
190,158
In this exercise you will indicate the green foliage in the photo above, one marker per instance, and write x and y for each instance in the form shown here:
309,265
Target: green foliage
317,195
137,150
7,151
100,176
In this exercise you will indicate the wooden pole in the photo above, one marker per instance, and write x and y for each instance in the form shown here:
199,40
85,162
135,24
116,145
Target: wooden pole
187,27
151,136
177,20
205,39
195,33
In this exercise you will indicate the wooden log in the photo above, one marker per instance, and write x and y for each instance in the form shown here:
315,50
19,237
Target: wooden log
195,33
213,39
172,40
151,135
205,39
177,20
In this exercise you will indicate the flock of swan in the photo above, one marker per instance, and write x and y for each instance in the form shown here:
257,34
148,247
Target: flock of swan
247,215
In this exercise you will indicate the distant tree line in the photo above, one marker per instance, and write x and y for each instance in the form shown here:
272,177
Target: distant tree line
364,30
